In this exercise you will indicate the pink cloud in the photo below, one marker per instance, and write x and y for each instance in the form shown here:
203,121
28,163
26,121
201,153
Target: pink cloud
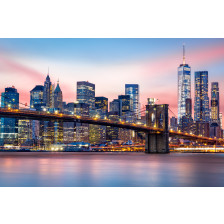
157,77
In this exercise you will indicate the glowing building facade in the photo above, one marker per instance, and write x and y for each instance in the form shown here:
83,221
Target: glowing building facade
9,126
201,102
184,87
86,94
48,91
37,97
133,91
215,102
58,99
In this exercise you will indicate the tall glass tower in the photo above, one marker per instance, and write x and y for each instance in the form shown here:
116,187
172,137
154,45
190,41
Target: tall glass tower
86,93
58,98
215,102
133,91
201,102
9,126
184,86
47,94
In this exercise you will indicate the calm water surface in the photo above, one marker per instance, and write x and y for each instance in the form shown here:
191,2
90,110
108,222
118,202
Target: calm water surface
35,169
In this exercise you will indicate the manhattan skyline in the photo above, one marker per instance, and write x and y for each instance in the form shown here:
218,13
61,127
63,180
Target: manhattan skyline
109,64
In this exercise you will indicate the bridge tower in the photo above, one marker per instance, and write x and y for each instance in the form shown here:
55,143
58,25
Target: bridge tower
157,116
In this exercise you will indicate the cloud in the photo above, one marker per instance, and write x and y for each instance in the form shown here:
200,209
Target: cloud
157,77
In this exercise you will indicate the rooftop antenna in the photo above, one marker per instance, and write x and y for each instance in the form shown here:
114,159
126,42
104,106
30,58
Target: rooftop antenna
184,59
48,71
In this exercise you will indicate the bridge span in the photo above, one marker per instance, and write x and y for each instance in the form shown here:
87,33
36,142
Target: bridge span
157,132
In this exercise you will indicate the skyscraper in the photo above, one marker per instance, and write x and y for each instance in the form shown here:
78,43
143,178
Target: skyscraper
36,97
48,91
133,91
184,86
126,115
215,128
9,126
86,94
220,118
115,106
125,105
215,103
68,127
186,122
101,106
201,106
58,98
98,132
81,130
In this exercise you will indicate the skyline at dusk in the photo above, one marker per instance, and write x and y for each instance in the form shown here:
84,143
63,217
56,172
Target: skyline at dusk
109,64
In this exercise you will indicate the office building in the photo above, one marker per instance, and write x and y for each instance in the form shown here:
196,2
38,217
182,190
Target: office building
133,91
48,93
186,121
86,94
58,99
101,106
68,127
81,130
37,98
115,106
112,133
184,86
97,133
9,126
215,103
173,123
201,106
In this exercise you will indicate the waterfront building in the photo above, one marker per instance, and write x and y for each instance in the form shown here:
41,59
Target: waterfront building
86,94
215,129
184,86
220,118
115,106
127,116
9,126
202,128
187,122
173,123
81,130
125,105
201,103
68,127
97,133
48,92
112,133
58,99
215,102
25,132
37,98
101,106
133,91
201,106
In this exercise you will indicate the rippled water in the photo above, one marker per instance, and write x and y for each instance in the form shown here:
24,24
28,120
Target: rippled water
33,169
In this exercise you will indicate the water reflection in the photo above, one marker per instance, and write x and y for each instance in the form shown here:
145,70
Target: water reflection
110,169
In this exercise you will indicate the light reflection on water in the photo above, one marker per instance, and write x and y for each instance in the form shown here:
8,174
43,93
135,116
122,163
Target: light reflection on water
110,169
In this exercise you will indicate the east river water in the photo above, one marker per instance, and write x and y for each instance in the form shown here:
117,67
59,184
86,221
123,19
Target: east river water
105,169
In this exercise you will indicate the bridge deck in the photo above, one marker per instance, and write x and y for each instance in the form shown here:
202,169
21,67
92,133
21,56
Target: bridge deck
36,115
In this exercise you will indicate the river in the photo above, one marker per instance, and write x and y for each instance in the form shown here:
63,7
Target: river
115,169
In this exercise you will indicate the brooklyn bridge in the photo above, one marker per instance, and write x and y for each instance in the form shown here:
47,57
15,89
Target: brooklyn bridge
156,128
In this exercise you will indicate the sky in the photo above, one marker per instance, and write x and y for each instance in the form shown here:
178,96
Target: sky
109,64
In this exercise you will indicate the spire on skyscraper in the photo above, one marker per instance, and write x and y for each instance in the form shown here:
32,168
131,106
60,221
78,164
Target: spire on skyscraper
184,59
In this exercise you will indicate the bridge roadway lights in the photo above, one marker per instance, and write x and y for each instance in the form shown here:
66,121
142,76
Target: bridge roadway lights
157,116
